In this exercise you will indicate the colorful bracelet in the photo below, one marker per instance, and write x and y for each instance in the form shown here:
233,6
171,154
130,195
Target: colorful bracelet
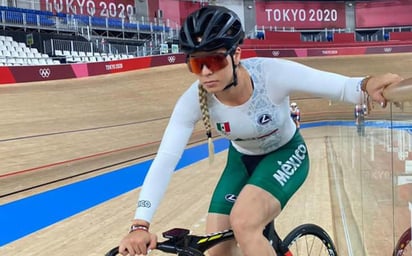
364,82
138,227
366,98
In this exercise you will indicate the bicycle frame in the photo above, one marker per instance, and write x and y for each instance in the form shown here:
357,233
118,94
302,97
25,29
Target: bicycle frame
180,242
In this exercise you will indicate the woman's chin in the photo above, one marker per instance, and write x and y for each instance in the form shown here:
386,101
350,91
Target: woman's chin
212,89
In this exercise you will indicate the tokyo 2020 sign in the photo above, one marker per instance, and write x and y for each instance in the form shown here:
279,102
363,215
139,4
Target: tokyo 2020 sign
300,15
97,8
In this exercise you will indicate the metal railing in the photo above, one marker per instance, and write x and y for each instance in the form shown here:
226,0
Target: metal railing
97,46
87,26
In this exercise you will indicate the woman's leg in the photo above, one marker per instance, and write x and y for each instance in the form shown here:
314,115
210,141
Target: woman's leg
273,182
233,179
253,210
218,222
253,190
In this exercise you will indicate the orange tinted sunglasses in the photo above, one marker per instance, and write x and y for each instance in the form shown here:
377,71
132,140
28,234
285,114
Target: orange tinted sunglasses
214,62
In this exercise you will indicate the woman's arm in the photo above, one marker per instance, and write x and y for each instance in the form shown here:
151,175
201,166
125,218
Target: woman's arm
175,138
293,76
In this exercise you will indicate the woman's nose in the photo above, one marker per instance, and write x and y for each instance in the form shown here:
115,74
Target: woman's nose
205,70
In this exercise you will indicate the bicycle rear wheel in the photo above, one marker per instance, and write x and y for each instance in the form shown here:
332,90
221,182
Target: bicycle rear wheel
309,239
404,247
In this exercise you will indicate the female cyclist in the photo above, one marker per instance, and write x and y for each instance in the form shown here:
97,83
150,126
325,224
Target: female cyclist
247,102
295,113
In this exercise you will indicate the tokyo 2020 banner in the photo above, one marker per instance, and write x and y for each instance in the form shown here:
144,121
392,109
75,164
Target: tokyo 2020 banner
300,15
97,8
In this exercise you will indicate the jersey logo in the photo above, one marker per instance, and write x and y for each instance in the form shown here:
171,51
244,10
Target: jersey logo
264,119
144,203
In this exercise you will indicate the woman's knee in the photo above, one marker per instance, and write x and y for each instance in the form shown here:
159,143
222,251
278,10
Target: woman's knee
239,222
244,226
253,210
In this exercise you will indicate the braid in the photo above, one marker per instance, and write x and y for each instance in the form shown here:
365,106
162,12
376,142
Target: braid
206,120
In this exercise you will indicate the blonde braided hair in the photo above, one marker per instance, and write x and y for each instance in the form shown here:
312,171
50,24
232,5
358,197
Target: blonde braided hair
206,121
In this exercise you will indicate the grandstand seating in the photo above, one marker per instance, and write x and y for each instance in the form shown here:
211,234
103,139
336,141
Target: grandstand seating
20,22
102,22
13,53
15,15
39,18
84,57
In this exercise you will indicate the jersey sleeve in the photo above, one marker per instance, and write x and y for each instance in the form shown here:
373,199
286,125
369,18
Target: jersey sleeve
291,76
175,138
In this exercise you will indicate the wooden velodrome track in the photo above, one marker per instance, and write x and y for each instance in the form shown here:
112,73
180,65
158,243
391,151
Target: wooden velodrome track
60,132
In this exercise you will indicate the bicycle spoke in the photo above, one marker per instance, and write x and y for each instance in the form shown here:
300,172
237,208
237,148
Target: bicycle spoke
308,245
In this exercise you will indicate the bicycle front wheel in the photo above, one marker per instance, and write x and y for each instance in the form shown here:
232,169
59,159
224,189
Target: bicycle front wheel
404,247
309,239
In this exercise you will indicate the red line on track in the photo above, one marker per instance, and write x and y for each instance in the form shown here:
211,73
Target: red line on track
73,160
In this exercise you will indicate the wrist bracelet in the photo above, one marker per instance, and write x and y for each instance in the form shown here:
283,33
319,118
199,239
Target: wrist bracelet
138,227
366,98
364,82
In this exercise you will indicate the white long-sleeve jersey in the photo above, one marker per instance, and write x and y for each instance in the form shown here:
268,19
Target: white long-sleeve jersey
260,125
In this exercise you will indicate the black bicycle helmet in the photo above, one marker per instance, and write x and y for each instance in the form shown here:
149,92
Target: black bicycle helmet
211,28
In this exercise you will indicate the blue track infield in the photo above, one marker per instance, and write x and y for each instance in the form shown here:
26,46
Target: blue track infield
49,207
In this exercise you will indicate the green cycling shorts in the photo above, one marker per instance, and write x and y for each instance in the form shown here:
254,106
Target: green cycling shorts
280,173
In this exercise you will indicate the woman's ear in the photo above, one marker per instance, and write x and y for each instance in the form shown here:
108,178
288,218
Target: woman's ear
236,55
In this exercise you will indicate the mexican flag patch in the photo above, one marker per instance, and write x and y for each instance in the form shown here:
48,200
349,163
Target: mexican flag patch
223,127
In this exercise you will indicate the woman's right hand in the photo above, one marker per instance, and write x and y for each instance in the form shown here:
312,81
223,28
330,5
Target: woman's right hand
137,242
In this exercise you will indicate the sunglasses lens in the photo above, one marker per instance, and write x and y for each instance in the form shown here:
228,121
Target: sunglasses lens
213,62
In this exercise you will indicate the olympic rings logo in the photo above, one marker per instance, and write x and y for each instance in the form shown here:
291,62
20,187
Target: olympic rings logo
275,53
171,59
44,72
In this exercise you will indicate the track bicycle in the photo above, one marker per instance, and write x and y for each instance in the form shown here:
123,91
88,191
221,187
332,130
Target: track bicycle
403,246
306,239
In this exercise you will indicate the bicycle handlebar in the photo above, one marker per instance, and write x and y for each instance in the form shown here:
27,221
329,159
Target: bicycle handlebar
179,240
162,246
167,247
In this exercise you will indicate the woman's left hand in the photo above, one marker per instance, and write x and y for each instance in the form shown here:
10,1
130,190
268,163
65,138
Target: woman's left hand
376,84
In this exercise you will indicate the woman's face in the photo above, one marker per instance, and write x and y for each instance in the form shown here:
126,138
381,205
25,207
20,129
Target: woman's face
214,69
